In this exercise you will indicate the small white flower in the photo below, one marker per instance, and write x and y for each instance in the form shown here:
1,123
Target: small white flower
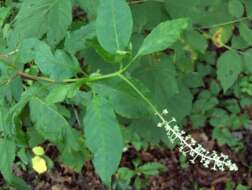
165,112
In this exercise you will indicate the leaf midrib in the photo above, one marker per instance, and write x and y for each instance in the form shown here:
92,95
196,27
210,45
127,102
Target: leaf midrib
114,24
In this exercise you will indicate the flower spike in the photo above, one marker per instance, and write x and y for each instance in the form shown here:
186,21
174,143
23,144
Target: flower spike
189,147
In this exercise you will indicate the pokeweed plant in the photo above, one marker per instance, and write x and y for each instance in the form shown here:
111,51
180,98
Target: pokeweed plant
70,83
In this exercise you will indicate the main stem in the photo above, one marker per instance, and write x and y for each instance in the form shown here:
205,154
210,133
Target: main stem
154,109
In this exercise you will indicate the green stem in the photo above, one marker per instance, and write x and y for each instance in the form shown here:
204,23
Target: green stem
35,78
225,23
83,80
142,1
154,109
129,64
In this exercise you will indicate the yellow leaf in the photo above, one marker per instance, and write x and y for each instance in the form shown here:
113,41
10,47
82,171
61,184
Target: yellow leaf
217,38
39,164
38,151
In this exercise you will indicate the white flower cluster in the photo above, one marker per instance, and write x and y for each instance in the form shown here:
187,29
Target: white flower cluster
189,146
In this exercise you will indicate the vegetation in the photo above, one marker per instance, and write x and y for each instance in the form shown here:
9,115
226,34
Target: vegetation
93,80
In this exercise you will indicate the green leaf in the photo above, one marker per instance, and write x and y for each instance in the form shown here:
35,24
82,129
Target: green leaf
51,124
242,187
28,49
16,110
114,25
204,12
159,76
183,100
196,40
151,169
151,134
163,36
198,120
53,127
125,174
73,159
3,111
220,118
143,20
103,137
60,92
247,61
224,136
235,8
8,149
77,39
39,17
4,12
245,32
248,5
193,80
123,99
90,7
58,66
229,67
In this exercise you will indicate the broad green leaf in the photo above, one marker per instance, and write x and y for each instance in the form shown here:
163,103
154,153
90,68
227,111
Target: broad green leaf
106,56
125,174
58,66
122,97
76,40
198,120
28,49
235,8
245,32
193,80
159,76
242,187
151,169
74,159
48,121
90,7
114,25
60,92
7,156
39,17
97,63
204,102
239,43
103,137
51,124
229,67
73,151
204,12
143,20
247,61
196,41
16,110
151,134
220,118
183,99
4,12
224,136
163,36
248,5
